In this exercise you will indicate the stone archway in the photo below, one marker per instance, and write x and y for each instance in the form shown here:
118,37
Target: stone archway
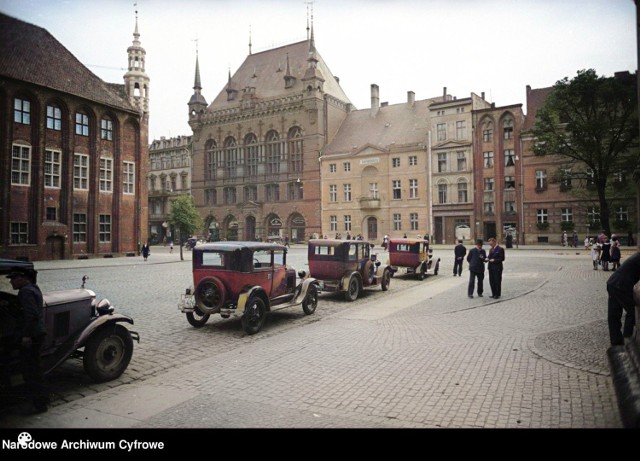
297,227
250,228
274,227
230,228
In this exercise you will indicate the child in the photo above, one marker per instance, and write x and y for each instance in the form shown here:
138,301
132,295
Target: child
595,255
615,254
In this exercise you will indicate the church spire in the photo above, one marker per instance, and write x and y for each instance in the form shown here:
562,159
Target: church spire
136,81
197,104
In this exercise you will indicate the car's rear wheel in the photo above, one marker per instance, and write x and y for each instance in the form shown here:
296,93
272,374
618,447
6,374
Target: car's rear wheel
423,271
386,280
353,289
108,353
254,315
369,272
210,295
310,301
197,318
435,271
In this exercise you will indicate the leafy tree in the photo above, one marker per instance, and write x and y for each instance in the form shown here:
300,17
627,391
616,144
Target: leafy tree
592,121
184,217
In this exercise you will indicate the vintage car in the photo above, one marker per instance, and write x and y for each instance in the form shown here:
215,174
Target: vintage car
77,325
414,255
346,266
246,280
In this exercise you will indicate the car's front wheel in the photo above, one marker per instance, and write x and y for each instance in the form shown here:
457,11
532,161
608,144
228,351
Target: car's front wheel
353,289
310,301
254,315
197,318
108,353
386,280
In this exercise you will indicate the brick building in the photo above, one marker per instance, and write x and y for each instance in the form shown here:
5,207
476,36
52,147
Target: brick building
73,150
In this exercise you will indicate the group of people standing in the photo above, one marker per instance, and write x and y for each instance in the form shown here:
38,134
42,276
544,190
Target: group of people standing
605,251
477,258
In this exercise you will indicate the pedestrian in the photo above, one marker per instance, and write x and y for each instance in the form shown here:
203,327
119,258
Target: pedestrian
404,236
630,238
509,240
605,254
616,255
30,334
587,242
171,246
146,251
564,239
595,255
601,237
459,252
496,257
385,242
286,241
575,239
476,259
620,289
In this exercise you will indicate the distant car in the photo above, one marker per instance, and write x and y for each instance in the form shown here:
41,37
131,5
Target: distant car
414,255
77,325
247,280
346,266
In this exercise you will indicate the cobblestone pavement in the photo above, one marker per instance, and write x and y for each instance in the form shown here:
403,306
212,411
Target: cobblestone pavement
417,356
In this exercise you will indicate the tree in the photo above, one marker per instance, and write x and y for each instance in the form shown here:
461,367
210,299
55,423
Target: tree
592,121
184,217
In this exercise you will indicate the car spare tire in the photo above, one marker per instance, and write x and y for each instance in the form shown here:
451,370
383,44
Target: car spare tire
210,295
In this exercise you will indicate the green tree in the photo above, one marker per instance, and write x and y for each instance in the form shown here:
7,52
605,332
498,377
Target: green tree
593,122
185,218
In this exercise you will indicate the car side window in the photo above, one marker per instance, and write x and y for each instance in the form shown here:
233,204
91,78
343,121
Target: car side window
278,258
262,259
365,251
212,259
353,252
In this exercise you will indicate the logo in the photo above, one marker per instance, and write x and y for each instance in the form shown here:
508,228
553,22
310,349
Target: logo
23,439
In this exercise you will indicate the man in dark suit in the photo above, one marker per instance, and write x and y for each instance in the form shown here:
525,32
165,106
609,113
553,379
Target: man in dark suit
496,257
476,258
460,251
620,289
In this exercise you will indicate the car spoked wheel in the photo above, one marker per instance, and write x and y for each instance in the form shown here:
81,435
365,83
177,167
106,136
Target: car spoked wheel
310,301
254,315
210,295
353,289
108,353
386,280
197,318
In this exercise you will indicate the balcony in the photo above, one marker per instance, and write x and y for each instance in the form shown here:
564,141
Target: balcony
368,203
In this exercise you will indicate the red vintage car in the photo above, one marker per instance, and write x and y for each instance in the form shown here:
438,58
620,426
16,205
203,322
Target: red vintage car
346,266
414,255
247,280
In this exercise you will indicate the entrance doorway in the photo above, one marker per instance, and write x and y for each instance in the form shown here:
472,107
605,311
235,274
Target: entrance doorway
55,248
372,228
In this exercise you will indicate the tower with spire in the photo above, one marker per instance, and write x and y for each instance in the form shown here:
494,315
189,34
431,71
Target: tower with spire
136,81
197,103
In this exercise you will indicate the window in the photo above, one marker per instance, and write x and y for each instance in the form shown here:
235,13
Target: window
590,177
79,228
295,150
442,131
508,128
542,216
489,207
82,124
333,223
333,193
509,157
622,214
566,214
106,175
461,129
129,178
413,219
593,214
54,118
210,197
397,221
51,213
104,231
80,171
347,222
509,207
442,162
347,166
52,168
462,161
442,193
509,182
397,189
252,154
273,192
294,191
21,165
231,158
19,233
487,135
347,192
488,159
274,153
22,111
250,193
332,168
395,162
413,188
488,184
229,195
565,181
462,192
373,190
106,129
413,160
541,179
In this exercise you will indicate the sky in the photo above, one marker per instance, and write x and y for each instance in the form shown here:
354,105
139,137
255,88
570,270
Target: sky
493,46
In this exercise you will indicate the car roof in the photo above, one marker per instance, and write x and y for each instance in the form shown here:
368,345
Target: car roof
238,245
408,240
7,265
337,242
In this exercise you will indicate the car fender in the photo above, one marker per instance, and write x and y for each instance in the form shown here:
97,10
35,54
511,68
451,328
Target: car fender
380,270
99,322
306,283
344,281
248,292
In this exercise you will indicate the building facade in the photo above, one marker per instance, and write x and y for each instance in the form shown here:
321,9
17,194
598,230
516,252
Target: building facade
73,150
256,174
169,176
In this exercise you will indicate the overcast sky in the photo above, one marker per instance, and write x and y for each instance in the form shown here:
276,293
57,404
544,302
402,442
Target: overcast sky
495,46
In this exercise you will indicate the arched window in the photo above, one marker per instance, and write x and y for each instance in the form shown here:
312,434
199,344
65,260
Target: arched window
251,154
508,128
274,152
230,157
295,150
209,159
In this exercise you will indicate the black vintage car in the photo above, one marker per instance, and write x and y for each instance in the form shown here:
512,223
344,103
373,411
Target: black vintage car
78,326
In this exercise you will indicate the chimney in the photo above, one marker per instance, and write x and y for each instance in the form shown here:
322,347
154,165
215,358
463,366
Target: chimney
411,97
375,99
337,79
444,93
482,94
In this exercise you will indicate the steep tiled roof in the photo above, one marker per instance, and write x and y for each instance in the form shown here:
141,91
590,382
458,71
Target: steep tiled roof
265,72
29,53
398,124
535,100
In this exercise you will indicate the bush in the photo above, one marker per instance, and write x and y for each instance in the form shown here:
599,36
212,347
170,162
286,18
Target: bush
542,225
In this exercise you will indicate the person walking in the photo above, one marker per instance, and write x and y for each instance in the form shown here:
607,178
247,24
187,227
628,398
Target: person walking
171,246
595,255
605,253
620,290
496,257
476,259
575,239
30,333
564,239
459,252
145,250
